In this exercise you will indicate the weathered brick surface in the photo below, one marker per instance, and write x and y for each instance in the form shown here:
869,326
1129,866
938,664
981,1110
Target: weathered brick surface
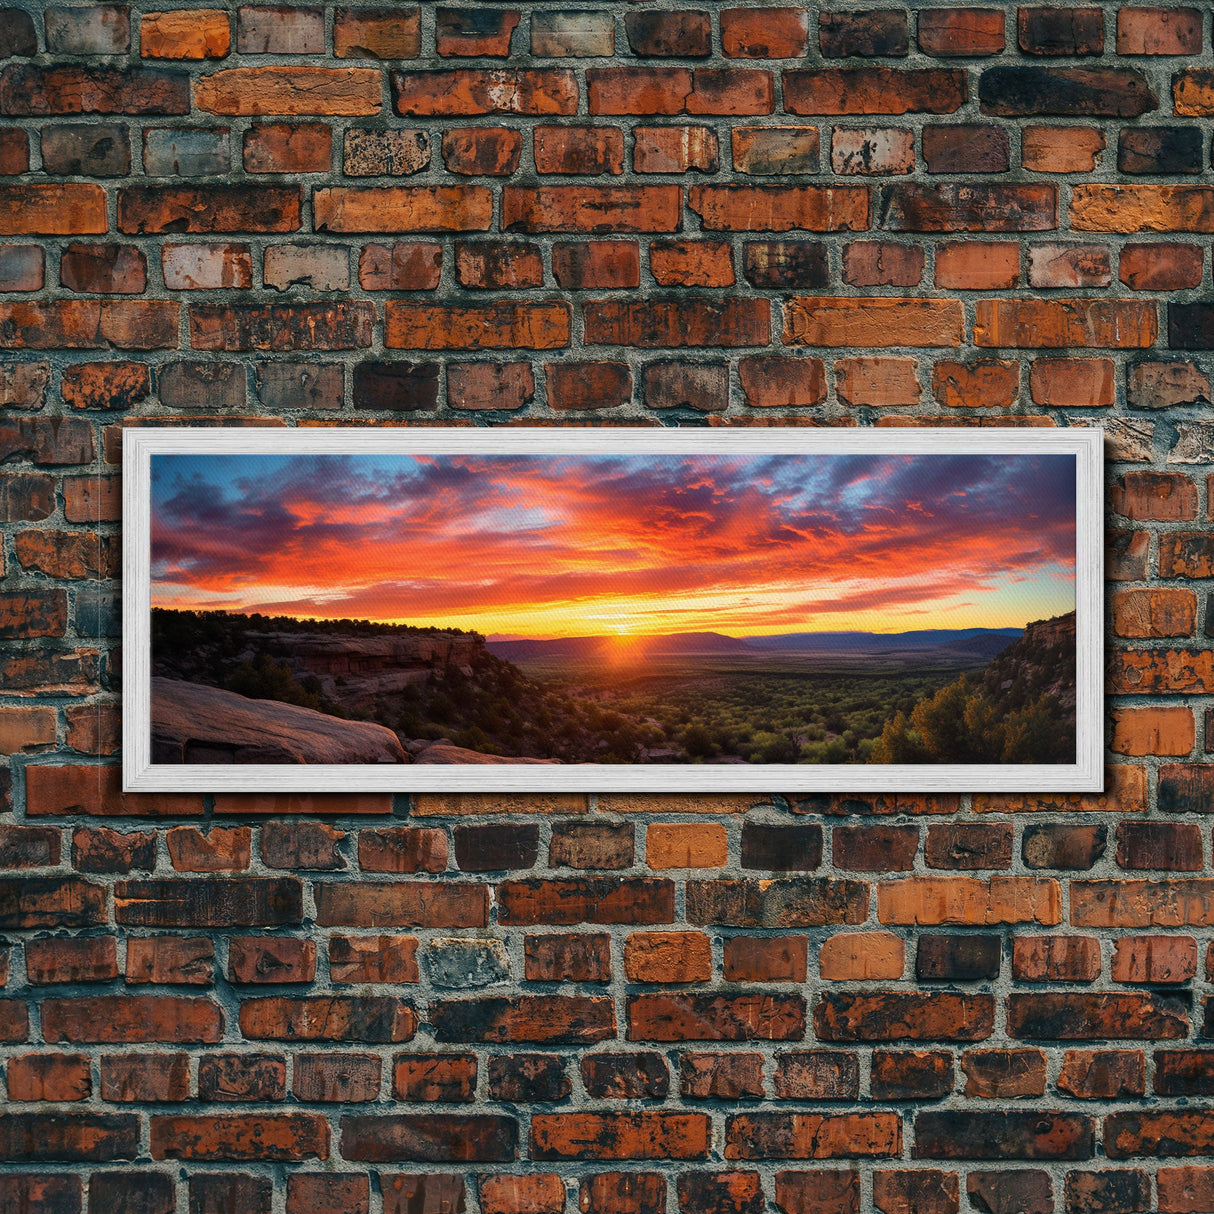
846,214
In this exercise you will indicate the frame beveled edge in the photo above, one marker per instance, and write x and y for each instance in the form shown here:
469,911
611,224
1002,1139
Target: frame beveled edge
1085,775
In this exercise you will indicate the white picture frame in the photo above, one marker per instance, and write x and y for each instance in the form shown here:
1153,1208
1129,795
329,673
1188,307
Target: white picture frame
141,446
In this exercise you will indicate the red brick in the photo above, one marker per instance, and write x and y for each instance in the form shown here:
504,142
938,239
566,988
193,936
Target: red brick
1154,613
674,149
402,209
588,150
169,960
373,1018
917,1191
874,90
208,209
868,151
431,1138
876,1135
691,263
1148,731
596,264
1155,960
376,959
71,960
1161,267
271,959
1030,323
668,957
222,849
584,385
880,382
679,90
14,152
703,1016
766,33
103,269
810,208
285,147
631,1135
875,263
1072,382
376,33
132,1018
1055,958
434,1077
500,265
978,266
322,1193
961,32
336,1078
21,268
582,208
34,1077
1155,496
278,327
872,321
30,91
290,90
543,1193
89,324
467,92
985,384
573,957
496,326
482,151
243,1137
185,34
782,382
655,323
683,33
1159,31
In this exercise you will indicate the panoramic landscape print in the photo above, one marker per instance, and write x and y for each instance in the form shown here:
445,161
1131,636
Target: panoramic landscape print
618,609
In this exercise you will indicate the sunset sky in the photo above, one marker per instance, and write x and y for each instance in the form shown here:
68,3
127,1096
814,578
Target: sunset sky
582,545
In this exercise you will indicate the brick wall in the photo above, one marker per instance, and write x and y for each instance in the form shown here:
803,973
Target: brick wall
616,1005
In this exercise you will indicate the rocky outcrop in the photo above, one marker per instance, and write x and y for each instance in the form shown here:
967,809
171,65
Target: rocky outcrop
1045,633
192,723
446,752
356,671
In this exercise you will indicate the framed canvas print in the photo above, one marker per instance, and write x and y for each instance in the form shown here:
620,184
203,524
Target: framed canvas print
777,610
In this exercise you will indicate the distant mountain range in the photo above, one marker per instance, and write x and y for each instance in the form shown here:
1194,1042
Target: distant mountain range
980,642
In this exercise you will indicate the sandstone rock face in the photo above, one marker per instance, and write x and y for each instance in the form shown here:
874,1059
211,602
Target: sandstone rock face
446,752
356,671
196,724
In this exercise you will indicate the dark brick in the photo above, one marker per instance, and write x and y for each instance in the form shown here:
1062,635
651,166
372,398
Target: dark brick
1015,1192
226,1193
429,1138
496,848
1166,846
1061,31
397,385
528,1077
101,149
911,1074
590,845
966,1134
969,846
875,849
1096,92
781,848
1160,150
785,263
868,34
685,34
957,958
1054,846
640,1076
